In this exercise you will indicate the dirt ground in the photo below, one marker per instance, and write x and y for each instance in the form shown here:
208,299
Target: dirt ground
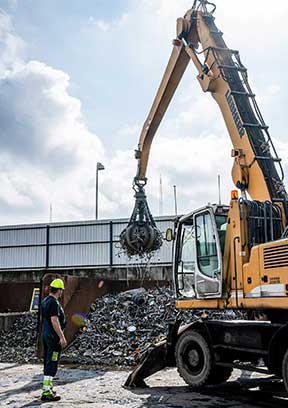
20,386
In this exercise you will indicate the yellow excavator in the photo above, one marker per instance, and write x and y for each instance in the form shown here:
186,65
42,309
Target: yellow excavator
225,257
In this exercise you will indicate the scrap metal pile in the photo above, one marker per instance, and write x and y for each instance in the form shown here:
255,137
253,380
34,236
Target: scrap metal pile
122,327
117,332
18,344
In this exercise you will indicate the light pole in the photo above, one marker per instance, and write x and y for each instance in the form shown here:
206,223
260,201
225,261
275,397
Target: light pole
175,199
219,188
99,166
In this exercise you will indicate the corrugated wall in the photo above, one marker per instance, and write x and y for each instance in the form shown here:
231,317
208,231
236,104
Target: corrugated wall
72,245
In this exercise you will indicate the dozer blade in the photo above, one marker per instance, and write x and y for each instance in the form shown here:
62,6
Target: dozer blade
159,357
155,360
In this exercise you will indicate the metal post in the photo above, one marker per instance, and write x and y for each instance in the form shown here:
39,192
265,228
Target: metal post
47,246
96,200
99,166
219,188
175,199
111,244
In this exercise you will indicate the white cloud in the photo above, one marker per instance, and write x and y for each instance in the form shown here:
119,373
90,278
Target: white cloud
47,153
109,25
192,164
11,45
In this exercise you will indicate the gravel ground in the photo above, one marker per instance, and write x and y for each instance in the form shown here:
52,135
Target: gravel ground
20,387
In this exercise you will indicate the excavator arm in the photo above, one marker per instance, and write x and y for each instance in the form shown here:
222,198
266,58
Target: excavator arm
220,72
175,69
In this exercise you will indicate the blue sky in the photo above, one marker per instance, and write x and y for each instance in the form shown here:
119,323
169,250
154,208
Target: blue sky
62,34
77,79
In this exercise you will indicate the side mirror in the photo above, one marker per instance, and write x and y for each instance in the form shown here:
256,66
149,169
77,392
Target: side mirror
169,236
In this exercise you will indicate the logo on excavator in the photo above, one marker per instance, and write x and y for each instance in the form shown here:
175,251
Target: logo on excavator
235,113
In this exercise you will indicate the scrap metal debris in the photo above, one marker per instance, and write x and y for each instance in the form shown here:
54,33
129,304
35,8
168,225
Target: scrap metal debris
122,327
119,329
18,344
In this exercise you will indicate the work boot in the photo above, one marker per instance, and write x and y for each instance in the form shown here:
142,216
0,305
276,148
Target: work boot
50,396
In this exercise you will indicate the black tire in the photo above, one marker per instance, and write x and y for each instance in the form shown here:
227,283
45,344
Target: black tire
193,359
285,370
220,375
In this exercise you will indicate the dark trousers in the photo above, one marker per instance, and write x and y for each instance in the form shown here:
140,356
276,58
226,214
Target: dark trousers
52,349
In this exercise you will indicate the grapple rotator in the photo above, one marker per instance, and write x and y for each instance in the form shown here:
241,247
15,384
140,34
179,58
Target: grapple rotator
141,236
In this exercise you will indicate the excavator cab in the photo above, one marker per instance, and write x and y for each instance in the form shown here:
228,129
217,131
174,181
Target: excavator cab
199,248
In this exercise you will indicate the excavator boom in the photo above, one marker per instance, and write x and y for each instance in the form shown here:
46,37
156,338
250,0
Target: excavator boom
257,169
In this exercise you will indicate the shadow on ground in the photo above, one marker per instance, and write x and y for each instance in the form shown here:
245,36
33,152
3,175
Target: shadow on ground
260,392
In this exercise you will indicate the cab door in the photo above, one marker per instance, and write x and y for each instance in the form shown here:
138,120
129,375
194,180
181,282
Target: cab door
208,266
184,264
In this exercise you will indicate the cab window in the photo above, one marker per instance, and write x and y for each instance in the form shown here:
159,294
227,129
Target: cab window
221,222
207,258
186,262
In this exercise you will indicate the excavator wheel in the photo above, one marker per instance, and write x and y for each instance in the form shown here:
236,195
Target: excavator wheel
194,359
285,370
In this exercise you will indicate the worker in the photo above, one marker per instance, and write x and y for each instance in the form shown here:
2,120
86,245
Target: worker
53,324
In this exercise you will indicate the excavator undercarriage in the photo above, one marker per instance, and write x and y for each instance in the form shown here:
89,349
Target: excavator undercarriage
205,352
